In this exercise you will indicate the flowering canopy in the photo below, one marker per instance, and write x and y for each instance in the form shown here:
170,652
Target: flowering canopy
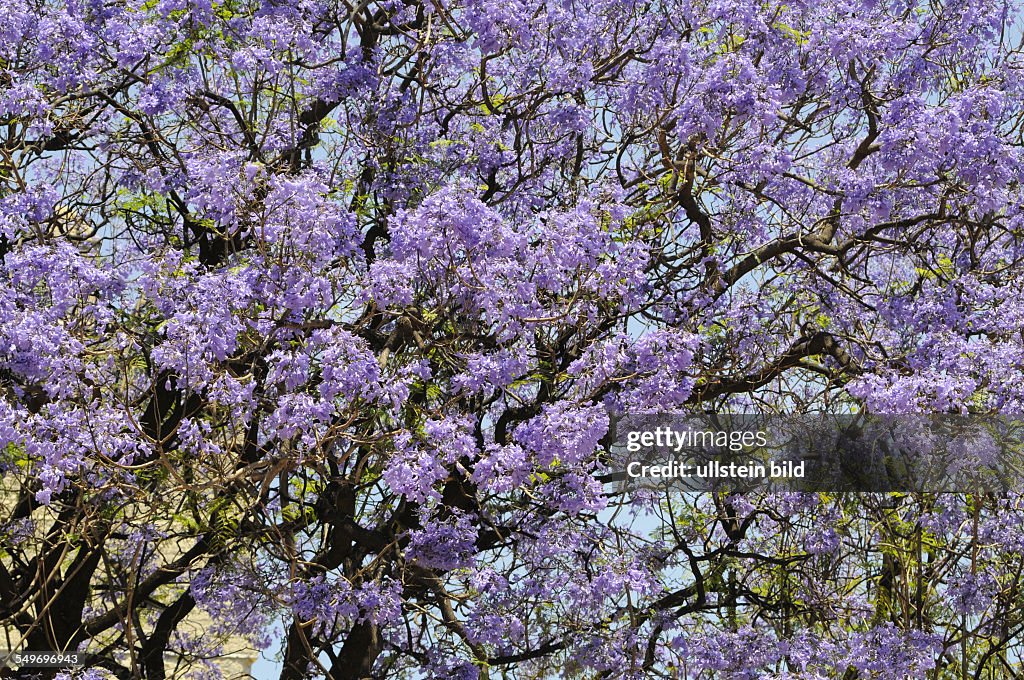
313,311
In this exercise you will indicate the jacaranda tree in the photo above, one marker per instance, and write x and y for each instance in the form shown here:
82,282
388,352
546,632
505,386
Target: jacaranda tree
313,312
